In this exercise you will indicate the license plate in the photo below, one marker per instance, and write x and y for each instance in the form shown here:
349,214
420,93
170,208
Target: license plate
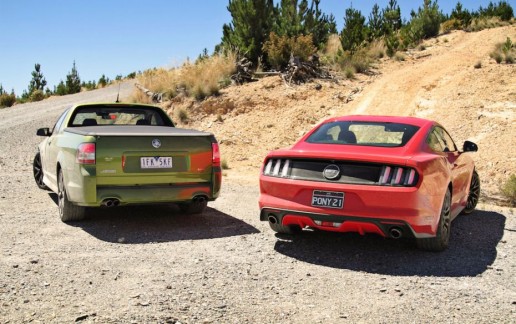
328,199
156,162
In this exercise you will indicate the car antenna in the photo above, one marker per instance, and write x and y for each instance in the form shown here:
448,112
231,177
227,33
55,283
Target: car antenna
118,94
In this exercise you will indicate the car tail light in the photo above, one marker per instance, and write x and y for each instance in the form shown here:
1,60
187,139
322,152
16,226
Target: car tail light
215,154
86,153
398,176
277,168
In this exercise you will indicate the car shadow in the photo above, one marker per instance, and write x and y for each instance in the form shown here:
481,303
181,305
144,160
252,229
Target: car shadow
141,224
472,250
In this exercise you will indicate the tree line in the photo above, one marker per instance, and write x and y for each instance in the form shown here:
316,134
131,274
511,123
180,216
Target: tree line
267,33
38,90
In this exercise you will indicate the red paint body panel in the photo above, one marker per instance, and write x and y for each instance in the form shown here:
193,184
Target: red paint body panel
371,208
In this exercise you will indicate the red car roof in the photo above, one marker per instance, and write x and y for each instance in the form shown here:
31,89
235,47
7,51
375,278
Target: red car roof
390,119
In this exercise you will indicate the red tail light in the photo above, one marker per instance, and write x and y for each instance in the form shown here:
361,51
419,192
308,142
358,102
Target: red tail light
398,176
216,154
86,153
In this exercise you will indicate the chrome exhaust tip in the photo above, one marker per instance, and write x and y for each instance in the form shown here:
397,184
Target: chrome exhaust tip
395,232
272,219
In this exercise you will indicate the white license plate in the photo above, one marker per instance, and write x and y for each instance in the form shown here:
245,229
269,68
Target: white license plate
328,199
156,162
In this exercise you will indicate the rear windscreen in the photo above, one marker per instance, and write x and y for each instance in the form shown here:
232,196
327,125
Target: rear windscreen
363,133
109,115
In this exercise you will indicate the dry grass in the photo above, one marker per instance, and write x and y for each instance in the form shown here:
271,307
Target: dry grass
478,24
201,79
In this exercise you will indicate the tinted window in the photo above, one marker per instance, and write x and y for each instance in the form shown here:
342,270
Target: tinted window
440,141
118,115
363,133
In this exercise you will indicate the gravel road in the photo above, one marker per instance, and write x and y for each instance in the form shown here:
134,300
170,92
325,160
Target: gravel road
156,265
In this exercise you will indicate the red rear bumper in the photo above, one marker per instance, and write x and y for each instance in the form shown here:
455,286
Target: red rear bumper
366,208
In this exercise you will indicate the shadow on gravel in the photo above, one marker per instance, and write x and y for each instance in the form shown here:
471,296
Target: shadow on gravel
472,249
159,223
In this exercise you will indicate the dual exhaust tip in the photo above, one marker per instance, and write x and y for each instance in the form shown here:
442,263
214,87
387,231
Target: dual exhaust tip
394,232
110,202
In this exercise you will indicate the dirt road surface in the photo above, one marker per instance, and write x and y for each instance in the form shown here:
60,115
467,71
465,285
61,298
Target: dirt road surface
156,265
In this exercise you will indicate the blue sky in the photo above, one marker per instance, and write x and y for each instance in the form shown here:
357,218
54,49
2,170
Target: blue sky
114,37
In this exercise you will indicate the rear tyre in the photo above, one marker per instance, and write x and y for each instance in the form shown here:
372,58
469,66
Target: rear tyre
442,237
194,207
37,169
474,194
68,212
285,229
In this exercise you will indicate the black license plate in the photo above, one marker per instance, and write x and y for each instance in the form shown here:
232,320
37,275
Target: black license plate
328,199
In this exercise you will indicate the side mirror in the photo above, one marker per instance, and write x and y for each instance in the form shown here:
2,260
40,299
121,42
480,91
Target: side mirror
43,132
469,147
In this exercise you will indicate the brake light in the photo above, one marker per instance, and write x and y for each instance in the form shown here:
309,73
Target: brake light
398,176
86,153
277,168
215,154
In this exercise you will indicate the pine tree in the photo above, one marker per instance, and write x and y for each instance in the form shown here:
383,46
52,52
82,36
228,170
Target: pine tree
392,18
38,82
354,30
319,25
250,27
73,81
375,23
61,90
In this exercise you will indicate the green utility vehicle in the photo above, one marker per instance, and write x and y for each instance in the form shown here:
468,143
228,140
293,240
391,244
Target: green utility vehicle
106,154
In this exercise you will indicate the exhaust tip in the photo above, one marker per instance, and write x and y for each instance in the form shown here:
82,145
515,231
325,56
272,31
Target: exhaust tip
272,219
396,232
110,202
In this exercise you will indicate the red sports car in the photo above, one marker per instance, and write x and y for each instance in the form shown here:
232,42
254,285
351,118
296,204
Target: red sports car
393,176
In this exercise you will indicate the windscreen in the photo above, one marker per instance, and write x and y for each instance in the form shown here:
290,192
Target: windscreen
113,115
363,133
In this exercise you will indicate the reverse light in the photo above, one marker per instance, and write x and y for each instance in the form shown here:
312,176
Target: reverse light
85,153
215,154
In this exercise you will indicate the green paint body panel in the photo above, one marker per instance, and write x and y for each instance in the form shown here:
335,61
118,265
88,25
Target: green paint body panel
117,172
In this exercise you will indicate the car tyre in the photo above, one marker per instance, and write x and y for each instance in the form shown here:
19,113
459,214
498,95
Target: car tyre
68,212
194,207
474,194
37,169
442,237
285,229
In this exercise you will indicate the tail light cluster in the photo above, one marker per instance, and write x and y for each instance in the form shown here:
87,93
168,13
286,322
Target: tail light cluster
398,176
215,154
277,168
85,153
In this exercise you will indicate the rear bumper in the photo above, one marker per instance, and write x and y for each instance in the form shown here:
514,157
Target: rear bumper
366,209
85,190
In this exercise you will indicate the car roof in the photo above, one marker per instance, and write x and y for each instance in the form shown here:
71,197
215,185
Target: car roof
386,119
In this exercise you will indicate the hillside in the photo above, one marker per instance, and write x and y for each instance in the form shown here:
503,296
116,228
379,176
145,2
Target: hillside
438,83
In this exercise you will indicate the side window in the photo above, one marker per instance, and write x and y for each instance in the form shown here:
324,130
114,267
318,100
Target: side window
434,142
449,145
59,123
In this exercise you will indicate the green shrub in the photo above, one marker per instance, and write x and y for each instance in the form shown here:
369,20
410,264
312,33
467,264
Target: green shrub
349,72
280,48
508,189
37,95
7,100
509,59
182,115
224,164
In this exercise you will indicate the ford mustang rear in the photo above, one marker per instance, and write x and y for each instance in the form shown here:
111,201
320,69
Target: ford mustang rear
392,176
